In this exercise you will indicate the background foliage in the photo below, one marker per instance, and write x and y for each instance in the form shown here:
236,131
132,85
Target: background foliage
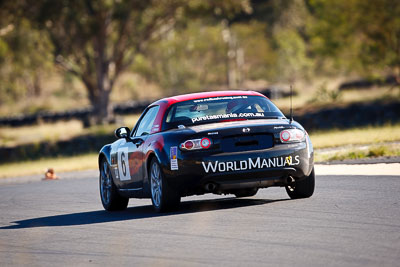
50,49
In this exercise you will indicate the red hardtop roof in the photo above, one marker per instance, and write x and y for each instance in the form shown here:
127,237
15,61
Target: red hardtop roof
186,97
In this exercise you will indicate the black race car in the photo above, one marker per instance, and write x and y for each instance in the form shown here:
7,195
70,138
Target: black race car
227,142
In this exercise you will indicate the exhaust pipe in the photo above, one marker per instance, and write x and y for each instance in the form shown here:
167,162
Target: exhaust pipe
290,180
210,187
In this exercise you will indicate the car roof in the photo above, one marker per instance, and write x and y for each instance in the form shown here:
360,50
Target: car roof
186,97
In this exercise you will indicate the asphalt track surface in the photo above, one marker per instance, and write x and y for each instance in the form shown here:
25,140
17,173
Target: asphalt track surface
350,221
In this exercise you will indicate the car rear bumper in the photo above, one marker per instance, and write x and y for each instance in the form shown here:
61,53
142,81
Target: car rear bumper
199,173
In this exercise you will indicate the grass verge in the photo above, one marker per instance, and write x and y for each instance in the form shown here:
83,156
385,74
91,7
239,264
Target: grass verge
370,152
61,164
356,136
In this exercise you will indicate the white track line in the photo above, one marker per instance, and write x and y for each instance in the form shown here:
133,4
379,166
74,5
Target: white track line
392,169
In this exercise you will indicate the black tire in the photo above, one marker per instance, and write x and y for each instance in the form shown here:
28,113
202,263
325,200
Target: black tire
303,188
248,192
163,197
109,196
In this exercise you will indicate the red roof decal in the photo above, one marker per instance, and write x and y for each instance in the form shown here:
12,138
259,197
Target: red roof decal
186,97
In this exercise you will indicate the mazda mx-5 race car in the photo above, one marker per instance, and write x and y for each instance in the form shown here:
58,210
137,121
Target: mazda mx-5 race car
227,142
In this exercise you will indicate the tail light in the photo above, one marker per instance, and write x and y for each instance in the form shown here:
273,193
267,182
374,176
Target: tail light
292,136
194,144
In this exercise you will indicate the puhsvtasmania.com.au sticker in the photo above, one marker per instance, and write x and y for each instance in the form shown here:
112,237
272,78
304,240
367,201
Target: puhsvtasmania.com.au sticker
228,116
257,163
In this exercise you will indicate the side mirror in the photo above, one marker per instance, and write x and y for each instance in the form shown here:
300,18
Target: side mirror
122,132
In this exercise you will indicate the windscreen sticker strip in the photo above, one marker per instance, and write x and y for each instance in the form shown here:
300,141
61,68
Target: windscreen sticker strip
174,158
219,98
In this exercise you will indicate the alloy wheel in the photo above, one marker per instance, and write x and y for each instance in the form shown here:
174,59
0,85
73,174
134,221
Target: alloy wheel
156,184
105,183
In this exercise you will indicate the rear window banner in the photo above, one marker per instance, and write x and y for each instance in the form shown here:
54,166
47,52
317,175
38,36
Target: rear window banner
228,116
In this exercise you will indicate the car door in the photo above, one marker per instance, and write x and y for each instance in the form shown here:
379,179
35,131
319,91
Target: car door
130,154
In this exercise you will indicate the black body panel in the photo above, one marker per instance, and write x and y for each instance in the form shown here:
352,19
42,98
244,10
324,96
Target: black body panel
243,154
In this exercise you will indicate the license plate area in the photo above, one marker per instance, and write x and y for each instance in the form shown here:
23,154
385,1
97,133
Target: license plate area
247,142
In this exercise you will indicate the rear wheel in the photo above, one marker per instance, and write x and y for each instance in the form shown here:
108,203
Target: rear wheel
163,197
303,188
110,198
248,192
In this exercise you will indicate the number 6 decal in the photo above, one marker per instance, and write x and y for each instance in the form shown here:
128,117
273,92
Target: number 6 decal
123,164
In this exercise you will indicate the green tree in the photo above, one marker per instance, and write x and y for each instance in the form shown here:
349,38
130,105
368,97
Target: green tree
98,40
283,47
25,57
379,26
356,34
189,59
260,58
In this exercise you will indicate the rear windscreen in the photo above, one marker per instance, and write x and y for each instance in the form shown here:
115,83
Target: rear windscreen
216,109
